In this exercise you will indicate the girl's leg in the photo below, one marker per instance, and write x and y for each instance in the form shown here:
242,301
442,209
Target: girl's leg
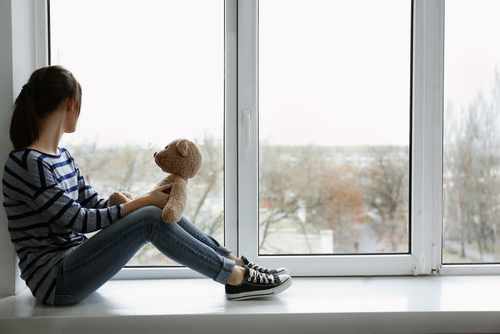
192,229
211,242
87,267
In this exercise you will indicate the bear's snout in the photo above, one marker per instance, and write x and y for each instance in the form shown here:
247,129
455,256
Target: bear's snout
154,155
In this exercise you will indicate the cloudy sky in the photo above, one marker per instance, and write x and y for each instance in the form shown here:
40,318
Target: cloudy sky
330,73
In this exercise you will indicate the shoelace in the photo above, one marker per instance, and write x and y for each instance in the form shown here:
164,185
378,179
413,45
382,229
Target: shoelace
253,275
254,266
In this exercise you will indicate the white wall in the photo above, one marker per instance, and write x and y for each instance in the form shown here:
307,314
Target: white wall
18,58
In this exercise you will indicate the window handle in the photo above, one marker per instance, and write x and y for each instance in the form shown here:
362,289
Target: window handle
246,124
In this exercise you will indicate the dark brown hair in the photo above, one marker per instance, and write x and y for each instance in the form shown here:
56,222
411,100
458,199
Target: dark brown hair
47,88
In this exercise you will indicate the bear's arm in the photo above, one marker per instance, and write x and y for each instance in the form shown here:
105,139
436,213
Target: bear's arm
176,202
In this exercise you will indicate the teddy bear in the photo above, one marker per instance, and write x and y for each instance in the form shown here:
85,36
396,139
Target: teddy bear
181,160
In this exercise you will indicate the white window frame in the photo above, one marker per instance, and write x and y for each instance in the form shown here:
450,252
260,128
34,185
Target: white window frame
427,95
241,154
419,260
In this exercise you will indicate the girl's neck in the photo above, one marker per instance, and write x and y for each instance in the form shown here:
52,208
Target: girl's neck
51,131
44,149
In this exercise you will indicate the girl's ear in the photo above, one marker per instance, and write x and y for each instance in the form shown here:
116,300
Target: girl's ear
70,103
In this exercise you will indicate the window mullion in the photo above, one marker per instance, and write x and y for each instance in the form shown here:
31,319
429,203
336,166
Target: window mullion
41,33
248,127
428,38
231,122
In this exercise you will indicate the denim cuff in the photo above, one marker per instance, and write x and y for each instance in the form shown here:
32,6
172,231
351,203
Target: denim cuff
223,251
226,271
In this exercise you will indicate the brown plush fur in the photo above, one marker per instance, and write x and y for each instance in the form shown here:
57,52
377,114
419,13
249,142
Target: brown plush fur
182,160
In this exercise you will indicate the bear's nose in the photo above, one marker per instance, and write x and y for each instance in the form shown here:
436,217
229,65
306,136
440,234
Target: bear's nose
154,155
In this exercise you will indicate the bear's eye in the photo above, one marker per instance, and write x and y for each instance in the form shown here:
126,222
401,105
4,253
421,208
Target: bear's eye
166,147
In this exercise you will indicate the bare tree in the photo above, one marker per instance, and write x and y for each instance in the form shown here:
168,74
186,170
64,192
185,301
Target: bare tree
205,207
387,193
302,187
472,157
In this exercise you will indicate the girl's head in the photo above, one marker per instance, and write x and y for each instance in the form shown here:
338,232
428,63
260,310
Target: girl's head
46,89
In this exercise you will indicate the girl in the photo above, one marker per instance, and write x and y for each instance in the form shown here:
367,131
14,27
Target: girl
50,206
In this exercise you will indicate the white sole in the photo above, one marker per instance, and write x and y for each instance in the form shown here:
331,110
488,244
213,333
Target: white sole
262,293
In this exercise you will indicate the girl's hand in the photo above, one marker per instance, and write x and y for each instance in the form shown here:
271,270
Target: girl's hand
156,197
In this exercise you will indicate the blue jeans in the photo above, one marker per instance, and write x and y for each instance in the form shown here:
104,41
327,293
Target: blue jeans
86,267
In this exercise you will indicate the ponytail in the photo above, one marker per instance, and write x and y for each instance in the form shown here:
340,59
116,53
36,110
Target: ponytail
45,91
24,123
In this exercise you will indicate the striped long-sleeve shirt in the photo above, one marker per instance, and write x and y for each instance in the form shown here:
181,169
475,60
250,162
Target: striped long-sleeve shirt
49,206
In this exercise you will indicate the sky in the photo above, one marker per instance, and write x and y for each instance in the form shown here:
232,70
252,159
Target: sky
148,75
330,73
472,50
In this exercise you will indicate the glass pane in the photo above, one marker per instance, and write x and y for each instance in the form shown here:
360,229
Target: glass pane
471,156
151,72
334,97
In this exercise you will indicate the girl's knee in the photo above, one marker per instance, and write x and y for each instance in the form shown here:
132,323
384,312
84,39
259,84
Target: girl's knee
149,215
152,212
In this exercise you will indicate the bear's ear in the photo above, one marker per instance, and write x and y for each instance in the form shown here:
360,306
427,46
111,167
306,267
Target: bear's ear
182,146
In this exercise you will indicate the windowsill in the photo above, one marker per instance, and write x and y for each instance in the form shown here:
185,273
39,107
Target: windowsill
450,304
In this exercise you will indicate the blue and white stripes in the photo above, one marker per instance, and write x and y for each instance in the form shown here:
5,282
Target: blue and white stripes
49,206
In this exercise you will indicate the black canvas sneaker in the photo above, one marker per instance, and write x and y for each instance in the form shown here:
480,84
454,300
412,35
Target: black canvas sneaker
257,285
254,266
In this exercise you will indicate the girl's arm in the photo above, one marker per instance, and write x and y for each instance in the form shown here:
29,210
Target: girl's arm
90,199
43,199
56,206
87,196
156,197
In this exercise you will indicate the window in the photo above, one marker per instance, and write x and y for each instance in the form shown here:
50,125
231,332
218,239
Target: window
278,82
334,113
321,124
471,135
150,73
